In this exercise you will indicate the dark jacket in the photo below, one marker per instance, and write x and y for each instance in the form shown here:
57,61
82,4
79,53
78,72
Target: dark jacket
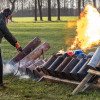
4,32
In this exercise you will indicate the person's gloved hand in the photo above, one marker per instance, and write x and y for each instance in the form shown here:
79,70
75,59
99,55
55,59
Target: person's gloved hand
18,47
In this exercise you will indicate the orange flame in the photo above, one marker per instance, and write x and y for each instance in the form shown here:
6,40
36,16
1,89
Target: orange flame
71,24
88,28
61,51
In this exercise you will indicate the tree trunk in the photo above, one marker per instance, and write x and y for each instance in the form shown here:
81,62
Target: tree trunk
58,2
94,3
35,10
83,3
40,8
64,4
49,10
17,5
22,7
79,7
13,6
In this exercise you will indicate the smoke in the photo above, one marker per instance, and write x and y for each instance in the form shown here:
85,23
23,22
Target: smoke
10,69
7,69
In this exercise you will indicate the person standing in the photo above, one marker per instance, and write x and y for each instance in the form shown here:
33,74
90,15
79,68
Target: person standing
5,15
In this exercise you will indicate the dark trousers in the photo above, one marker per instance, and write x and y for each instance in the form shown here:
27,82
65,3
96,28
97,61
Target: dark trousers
1,69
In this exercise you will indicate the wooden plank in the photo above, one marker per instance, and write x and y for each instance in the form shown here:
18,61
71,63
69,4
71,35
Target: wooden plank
54,79
82,84
94,72
41,79
89,85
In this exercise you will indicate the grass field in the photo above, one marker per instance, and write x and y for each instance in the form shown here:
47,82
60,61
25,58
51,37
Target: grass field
53,33
45,19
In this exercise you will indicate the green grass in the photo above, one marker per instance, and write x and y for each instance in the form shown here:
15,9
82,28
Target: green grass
55,34
31,19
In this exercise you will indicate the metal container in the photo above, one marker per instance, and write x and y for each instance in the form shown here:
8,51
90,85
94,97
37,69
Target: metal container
55,64
95,59
23,67
33,69
30,47
35,54
77,52
90,55
79,65
98,66
48,63
29,70
59,69
38,74
83,71
69,67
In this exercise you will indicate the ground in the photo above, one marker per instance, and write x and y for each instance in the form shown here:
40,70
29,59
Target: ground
54,33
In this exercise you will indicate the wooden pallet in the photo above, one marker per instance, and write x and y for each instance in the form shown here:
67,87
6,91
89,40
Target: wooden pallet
83,84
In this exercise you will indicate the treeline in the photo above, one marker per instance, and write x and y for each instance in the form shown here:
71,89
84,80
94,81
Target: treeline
48,8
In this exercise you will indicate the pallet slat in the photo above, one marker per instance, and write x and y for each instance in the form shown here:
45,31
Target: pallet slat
94,72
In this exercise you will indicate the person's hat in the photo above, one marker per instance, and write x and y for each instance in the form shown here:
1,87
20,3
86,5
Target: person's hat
7,12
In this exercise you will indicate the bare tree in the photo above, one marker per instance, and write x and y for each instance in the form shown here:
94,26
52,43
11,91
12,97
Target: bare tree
35,10
49,10
64,3
83,3
22,7
94,3
13,4
58,3
79,7
40,8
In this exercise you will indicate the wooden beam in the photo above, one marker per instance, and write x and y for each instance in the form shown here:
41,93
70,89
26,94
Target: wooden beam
58,80
94,72
82,84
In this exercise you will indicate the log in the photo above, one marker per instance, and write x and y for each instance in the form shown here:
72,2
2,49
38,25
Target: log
30,47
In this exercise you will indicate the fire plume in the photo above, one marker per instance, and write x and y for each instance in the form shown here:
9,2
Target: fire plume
88,28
